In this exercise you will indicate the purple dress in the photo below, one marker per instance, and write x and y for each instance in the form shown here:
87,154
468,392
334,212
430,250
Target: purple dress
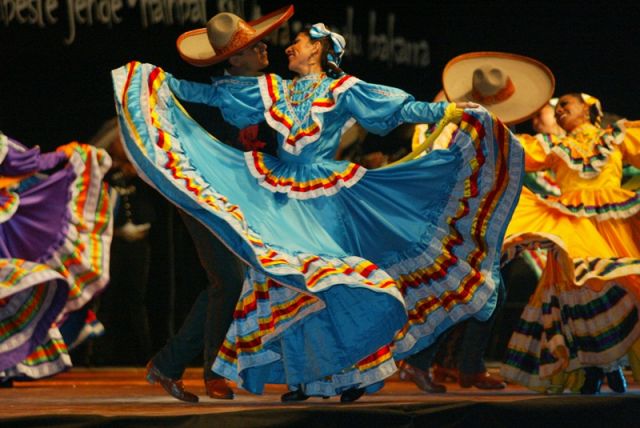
55,228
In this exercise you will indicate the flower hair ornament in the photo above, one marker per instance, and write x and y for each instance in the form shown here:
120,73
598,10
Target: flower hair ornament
318,31
595,108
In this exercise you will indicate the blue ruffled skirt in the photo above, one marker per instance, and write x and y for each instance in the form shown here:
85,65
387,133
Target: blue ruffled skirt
350,269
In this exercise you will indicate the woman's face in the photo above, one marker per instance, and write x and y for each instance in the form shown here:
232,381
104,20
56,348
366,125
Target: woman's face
571,112
301,52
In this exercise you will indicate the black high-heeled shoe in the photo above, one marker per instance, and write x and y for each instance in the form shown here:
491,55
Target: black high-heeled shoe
293,396
350,395
592,381
616,381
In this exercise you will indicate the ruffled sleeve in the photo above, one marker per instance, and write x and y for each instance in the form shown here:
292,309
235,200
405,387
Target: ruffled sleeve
20,161
380,109
237,97
631,143
537,151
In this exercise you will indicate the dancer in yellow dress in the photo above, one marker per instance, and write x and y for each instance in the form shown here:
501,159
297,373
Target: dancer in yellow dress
584,312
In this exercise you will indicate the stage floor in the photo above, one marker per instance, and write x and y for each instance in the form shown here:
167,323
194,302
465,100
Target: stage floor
84,397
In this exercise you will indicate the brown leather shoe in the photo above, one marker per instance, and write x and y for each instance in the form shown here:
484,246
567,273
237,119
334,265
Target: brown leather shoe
443,374
174,387
481,381
421,378
218,388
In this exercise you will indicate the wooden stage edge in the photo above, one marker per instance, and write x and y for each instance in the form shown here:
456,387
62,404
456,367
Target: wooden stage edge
124,392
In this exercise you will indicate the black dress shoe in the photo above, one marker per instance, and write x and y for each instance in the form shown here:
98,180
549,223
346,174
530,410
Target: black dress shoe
6,383
350,395
592,381
421,378
293,396
616,381
174,387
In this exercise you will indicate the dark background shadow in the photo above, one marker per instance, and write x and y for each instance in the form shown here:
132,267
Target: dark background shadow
55,89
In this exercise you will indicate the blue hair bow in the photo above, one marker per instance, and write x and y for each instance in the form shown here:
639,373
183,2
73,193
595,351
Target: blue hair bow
319,31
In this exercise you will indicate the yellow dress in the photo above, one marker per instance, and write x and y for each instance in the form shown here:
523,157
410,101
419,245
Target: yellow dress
584,311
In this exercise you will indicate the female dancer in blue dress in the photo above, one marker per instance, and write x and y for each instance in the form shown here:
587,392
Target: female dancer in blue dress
349,269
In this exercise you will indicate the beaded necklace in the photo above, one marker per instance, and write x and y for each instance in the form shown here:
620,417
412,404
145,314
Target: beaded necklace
308,91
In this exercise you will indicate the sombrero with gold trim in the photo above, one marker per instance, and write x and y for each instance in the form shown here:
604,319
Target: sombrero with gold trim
513,87
227,34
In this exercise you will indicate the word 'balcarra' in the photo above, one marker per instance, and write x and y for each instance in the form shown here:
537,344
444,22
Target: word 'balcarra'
386,47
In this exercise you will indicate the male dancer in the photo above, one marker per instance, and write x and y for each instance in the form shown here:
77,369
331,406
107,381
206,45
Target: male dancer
211,314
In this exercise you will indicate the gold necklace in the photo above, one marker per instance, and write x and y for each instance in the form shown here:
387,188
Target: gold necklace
308,91
291,105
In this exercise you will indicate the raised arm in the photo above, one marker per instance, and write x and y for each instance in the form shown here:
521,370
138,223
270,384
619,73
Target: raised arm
536,157
16,160
238,98
194,92
631,143
380,109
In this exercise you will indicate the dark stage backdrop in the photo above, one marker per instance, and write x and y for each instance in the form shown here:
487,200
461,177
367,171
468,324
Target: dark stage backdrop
55,55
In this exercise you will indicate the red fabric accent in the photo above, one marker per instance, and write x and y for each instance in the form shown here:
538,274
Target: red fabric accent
502,95
248,137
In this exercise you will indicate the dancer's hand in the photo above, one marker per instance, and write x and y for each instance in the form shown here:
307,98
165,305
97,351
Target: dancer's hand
133,232
467,104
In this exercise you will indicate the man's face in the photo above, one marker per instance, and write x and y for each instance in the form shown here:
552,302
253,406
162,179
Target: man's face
544,120
252,59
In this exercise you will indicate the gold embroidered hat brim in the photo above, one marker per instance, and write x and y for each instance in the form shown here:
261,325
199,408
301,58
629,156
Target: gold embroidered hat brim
194,47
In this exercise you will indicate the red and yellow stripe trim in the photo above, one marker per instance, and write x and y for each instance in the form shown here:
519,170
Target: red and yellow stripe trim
279,314
327,185
447,260
277,110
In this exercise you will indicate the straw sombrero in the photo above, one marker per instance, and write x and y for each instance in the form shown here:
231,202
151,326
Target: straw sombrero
227,34
513,87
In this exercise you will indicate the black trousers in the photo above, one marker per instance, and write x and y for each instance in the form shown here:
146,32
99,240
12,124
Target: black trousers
473,343
207,323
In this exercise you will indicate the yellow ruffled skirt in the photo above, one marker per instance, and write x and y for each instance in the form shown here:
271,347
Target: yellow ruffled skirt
584,311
